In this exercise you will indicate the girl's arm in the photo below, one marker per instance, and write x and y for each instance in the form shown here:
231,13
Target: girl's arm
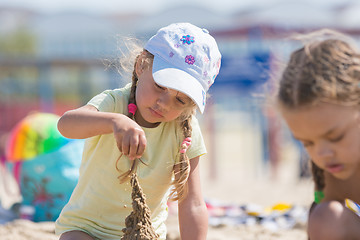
87,121
193,215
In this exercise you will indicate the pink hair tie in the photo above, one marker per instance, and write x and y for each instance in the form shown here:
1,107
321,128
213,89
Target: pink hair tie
132,108
185,145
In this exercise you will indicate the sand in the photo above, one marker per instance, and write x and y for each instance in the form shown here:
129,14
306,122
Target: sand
27,230
260,192
232,173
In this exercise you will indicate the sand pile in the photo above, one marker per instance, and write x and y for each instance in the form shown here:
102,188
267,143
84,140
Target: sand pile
138,223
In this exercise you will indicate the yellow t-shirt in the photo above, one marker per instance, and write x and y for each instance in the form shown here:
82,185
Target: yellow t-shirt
99,203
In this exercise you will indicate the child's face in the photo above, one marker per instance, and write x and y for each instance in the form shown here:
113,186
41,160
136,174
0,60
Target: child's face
331,135
156,103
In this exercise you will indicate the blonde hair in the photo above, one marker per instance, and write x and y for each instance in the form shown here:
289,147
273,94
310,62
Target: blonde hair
182,169
325,69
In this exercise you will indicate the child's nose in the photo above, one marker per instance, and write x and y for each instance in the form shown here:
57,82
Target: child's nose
164,100
323,150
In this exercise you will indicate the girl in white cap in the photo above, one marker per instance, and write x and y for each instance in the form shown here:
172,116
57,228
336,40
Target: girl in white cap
319,98
151,121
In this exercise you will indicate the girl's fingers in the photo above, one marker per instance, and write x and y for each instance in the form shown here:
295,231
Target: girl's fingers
132,144
133,147
141,146
125,146
119,143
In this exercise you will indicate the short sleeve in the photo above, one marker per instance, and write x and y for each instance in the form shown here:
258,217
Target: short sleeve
111,100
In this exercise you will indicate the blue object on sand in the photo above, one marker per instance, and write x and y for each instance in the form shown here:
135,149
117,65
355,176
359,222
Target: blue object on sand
48,180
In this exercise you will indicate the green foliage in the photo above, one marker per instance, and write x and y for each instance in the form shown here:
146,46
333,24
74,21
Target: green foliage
20,42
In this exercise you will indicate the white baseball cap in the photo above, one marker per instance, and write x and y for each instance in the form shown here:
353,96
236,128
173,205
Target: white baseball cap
186,59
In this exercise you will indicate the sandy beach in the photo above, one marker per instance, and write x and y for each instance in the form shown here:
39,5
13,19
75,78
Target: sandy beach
232,174
27,230
259,192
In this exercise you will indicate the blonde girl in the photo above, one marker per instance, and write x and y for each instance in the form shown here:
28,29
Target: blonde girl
151,121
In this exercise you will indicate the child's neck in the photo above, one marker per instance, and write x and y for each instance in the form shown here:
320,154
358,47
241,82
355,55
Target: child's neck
143,123
342,189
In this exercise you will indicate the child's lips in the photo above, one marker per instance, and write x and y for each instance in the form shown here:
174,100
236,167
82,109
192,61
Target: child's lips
334,168
156,113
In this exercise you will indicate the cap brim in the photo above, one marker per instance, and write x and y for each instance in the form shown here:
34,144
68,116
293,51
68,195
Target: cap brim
169,76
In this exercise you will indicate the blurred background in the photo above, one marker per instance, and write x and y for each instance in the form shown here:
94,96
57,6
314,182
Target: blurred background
52,57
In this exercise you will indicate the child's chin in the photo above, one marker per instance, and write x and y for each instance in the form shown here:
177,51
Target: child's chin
341,175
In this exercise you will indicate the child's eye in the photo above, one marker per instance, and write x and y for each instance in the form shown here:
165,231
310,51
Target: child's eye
307,144
337,139
158,86
182,102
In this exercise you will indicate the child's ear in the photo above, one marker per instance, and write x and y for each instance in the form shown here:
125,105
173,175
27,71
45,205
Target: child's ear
139,66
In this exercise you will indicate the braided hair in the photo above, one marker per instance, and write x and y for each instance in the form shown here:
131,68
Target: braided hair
182,169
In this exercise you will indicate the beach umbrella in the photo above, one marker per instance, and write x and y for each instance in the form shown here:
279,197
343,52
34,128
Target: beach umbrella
34,135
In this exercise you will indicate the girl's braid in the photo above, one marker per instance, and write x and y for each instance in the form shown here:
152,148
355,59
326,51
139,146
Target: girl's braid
318,175
133,88
123,177
182,169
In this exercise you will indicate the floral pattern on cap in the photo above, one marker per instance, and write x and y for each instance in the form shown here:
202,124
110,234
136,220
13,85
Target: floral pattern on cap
187,39
189,59
206,59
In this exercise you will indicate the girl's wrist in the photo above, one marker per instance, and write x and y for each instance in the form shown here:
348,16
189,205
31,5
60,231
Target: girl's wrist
119,120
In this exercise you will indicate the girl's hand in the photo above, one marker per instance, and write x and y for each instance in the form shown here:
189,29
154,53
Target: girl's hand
130,137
